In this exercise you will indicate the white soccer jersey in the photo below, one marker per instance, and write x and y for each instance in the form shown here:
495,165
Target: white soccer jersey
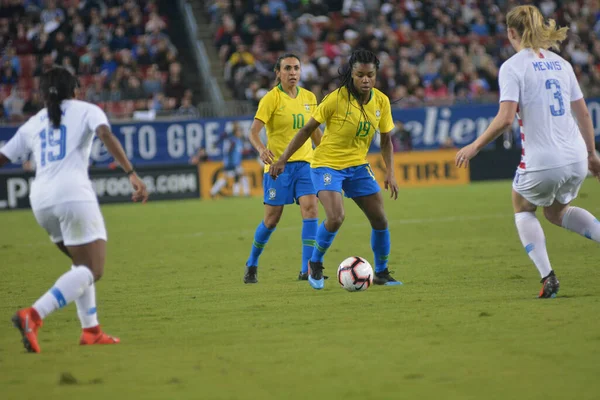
544,85
61,155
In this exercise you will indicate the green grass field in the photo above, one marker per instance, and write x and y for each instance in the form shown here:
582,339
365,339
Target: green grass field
466,324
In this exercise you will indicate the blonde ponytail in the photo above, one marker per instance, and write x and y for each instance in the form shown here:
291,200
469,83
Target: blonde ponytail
535,34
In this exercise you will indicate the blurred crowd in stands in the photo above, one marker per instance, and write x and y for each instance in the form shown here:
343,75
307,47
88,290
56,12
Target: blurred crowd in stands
119,49
431,51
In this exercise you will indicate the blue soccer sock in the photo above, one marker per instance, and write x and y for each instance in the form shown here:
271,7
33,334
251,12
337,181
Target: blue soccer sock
323,241
261,237
309,234
380,243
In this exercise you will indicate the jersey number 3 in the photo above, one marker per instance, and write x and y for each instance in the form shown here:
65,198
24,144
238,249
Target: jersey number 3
54,144
554,86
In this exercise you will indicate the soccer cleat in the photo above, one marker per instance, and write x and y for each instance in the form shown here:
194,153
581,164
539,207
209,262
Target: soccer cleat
550,286
384,278
28,321
303,276
315,275
96,336
250,275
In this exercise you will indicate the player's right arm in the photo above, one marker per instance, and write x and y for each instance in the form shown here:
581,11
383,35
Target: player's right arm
266,108
14,149
265,154
299,139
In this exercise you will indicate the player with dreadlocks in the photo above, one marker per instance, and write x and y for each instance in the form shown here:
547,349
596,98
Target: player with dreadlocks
352,114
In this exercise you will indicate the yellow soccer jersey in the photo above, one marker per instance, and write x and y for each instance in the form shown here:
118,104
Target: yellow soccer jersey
348,133
283,117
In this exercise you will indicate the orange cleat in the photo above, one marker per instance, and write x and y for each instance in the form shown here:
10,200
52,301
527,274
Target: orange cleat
28,321
95,335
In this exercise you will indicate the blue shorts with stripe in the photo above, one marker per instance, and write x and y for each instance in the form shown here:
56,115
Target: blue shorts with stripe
353,181
289,186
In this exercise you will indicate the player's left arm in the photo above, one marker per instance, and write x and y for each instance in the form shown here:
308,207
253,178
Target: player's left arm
500,123
386,128
387,152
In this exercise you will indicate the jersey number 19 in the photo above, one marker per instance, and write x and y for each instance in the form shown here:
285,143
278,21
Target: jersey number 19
54,144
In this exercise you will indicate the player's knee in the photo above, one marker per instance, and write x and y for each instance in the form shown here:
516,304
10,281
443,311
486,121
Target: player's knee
380,223
271,221
96,270
310,211
336,221
553,215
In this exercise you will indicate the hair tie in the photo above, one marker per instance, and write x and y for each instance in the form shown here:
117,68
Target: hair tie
53,90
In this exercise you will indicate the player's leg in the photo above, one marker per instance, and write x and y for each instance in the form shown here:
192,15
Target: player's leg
275,197
531,190
366,193
575,219
261,237
86,304
333,204
220,183
309,209
304,192
61,246
236,184
243,180
85,238
74,221
328,185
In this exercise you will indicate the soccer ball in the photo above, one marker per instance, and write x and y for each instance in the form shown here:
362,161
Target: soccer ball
355,274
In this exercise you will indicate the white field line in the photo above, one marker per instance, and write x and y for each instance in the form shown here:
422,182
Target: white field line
364,223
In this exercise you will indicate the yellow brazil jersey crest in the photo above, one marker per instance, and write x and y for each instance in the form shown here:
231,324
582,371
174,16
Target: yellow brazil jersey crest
283,116
349,130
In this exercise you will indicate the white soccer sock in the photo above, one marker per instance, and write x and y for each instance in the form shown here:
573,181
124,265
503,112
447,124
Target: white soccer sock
581,221
533,239
245,186
67,288
236,189
218,186
86,306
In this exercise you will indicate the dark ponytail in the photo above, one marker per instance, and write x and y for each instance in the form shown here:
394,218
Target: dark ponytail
57,84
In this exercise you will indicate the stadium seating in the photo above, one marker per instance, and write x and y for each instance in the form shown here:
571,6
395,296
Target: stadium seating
78,34
462,43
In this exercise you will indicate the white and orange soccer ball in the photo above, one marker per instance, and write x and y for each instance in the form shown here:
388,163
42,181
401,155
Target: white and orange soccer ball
355,274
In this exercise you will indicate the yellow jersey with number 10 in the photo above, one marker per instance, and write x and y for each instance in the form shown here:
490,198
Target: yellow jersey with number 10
349,131
283,116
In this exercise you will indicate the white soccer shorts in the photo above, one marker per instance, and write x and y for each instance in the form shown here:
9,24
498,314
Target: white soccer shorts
74,223
541,188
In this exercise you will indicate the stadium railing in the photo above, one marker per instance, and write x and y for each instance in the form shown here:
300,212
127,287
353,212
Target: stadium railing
200,54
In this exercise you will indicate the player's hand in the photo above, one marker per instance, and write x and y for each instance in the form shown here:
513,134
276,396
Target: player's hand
594,165
140,193
266,156
465,154
391,185
276,169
